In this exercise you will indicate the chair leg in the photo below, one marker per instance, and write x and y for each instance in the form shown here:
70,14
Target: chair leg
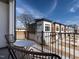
11,54
14,54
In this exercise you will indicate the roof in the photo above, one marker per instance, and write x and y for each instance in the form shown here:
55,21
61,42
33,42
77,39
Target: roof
63,24
42,19
59,23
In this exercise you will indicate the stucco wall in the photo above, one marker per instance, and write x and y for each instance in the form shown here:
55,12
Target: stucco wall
4,18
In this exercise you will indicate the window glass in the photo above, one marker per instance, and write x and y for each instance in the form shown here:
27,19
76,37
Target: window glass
62,29
57,28
47,27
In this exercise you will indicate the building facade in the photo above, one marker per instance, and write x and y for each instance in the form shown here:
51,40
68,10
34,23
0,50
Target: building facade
48,28
35,30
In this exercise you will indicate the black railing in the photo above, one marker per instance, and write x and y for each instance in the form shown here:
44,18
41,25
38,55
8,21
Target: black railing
23,54
63,44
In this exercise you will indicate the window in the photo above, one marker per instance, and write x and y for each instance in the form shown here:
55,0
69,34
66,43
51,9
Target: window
62,29
57,28
47,27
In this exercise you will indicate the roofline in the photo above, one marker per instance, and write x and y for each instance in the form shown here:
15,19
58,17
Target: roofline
59,23
42,19
62,24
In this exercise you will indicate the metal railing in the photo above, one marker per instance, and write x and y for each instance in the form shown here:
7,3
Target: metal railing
24,54
63,44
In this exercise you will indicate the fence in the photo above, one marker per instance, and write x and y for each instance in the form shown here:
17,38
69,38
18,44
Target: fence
65,45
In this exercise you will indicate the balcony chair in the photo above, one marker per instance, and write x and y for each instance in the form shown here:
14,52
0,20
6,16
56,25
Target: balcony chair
10,40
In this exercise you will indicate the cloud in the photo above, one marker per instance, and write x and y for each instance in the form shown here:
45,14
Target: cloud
75,6
73,20
33,12
72,10
29,10
20,10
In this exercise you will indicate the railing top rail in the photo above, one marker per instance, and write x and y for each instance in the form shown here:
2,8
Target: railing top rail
54,32
33,52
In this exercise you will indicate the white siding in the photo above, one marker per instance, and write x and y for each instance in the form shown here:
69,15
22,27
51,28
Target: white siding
3,23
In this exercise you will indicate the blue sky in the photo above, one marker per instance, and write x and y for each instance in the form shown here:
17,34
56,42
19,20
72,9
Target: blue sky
63,11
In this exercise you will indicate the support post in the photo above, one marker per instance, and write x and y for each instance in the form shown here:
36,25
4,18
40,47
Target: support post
42,41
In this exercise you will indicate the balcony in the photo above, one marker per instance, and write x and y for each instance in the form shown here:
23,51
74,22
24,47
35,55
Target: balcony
65,45
50,44
27,54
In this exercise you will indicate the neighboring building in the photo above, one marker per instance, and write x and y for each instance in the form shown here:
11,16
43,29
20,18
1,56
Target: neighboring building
7,19
78,30
48,28
62,28
58,27
41,25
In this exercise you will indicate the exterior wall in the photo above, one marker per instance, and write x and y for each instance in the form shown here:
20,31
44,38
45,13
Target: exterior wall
56,28
52,27
78,30
57,25
37,35
4,10
67,29
41,27
62,28
46,34
11,16
71,29
6,20
20,35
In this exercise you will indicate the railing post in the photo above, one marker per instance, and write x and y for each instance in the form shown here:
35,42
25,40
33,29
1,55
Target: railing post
74,47
42,41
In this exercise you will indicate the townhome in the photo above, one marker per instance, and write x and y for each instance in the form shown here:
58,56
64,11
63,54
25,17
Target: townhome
41,27
58,27
48,28
46,25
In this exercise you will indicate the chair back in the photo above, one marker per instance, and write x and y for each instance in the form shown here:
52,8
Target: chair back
10,38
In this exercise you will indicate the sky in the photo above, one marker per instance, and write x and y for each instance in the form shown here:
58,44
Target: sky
63,11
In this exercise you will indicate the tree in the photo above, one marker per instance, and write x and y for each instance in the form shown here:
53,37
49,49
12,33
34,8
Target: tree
25,19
